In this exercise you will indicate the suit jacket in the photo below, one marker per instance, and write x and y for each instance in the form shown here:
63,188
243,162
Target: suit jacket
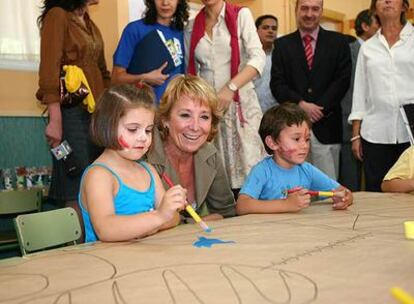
325,84
346,102
212,188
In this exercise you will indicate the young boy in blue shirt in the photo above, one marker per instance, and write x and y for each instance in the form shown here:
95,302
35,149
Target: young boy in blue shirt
285,132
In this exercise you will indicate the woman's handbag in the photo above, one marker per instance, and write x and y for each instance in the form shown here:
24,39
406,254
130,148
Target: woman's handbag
71,99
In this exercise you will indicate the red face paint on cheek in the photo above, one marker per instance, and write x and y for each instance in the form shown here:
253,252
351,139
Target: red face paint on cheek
123,143
287,150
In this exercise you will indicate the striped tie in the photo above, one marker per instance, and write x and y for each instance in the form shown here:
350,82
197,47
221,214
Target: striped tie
307,39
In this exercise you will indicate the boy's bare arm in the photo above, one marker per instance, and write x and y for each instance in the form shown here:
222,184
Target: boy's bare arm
293,203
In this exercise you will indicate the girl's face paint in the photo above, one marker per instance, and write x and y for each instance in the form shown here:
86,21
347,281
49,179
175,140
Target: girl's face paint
123,143
135,132
292,146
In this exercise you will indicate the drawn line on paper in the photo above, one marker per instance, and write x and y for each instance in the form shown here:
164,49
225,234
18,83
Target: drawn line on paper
353,226
65,297
119,299
319,249
182,281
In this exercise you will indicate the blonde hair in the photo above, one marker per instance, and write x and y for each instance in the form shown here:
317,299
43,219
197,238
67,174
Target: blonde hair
194,88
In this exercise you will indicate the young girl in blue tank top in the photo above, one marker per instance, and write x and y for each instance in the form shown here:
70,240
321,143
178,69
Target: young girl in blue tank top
122,198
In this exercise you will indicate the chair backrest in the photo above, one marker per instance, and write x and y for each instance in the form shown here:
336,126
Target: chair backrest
20,201
43,230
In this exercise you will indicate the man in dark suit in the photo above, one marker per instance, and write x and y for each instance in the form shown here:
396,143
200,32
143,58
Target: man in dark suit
366,26
312,67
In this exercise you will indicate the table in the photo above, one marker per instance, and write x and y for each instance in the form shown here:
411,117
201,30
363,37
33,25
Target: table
315,256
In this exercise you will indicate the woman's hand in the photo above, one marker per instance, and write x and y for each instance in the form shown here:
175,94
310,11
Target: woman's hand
173,201
357,149
156,77
226,97
53,131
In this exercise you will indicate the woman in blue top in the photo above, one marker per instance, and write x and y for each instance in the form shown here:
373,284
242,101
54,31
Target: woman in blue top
169,18
120,198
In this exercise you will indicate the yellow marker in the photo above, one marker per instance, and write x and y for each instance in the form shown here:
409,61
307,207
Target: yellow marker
326,193
197,218
409,229
401,295
320,193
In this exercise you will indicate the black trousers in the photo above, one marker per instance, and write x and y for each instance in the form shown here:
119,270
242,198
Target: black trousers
378,159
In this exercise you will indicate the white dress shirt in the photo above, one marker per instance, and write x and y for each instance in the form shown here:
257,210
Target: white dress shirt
239,145
214,55
383,82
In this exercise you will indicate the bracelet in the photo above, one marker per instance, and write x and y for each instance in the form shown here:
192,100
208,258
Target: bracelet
355,138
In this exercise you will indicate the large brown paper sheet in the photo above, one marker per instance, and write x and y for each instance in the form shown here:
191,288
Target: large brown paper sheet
315,256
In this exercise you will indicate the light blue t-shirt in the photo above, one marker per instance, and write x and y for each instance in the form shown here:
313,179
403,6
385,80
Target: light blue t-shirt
127,201
134,32
268,181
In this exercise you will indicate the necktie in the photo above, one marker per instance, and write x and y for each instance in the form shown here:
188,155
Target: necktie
308,50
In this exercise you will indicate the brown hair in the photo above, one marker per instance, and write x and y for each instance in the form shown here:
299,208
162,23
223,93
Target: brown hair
195,88
403,18
113,105
279,117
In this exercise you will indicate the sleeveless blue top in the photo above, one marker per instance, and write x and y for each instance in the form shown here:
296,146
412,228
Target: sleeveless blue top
127,201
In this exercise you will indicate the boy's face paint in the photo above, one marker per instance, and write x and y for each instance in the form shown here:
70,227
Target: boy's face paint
292,146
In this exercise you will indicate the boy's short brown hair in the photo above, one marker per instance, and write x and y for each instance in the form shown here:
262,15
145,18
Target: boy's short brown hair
279,117
113,105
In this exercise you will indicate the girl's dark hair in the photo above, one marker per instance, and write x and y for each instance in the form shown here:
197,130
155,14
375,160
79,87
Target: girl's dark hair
67,5
179,19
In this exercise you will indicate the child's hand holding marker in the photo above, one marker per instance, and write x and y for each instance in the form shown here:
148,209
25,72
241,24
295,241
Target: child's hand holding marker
188,207
174,200
297,199
342,199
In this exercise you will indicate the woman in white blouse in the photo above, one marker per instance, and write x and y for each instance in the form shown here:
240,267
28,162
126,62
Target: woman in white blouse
383,82
223,48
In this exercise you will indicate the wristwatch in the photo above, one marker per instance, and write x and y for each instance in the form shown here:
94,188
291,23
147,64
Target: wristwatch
232,86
